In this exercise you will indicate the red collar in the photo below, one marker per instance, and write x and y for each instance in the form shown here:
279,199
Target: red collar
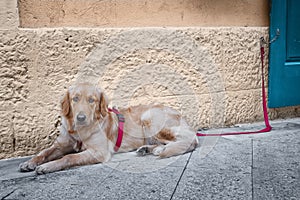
121,121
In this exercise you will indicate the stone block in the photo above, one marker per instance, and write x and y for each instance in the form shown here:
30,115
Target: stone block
9,15
136,13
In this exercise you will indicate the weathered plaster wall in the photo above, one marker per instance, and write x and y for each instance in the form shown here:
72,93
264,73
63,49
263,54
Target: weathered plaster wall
212,75
137,13
9,17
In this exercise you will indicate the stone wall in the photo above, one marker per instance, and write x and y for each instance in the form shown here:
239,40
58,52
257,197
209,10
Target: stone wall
212,75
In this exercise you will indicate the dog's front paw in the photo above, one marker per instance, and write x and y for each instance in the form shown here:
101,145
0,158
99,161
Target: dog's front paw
27,166
143,150
44,169
158,150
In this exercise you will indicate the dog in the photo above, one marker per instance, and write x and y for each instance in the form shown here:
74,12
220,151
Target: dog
91,132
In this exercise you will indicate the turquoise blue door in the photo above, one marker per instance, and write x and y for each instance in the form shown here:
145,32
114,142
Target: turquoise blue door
284,71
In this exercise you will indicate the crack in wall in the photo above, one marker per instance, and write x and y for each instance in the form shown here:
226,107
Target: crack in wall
55,131
13,133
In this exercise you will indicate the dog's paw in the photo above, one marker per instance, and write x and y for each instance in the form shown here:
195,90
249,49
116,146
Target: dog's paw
27,166
44,169
142,151
158,150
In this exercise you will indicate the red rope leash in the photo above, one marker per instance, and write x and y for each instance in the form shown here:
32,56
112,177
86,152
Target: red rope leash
264,103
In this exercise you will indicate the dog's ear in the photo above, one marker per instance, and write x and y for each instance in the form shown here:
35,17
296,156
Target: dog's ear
102,107
67,112
65,105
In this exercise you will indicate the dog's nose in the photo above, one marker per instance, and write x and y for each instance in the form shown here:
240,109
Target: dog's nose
81,117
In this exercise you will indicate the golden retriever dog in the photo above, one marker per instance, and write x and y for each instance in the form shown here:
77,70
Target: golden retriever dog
90,131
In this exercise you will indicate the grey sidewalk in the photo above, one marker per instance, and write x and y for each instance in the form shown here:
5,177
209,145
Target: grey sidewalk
264,166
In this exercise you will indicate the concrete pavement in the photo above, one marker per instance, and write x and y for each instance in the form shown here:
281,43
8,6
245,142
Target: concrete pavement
263,166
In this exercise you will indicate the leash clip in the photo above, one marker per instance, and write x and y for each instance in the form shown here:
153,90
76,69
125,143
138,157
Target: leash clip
262,42
121,117
276,36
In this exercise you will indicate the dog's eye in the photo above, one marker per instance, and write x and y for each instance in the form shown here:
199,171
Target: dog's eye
91,100
75,99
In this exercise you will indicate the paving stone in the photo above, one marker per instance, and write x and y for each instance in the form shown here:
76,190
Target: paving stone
9,169
224,173
123,178
276,164
261,166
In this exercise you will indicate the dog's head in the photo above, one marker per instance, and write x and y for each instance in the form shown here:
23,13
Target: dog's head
83,105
